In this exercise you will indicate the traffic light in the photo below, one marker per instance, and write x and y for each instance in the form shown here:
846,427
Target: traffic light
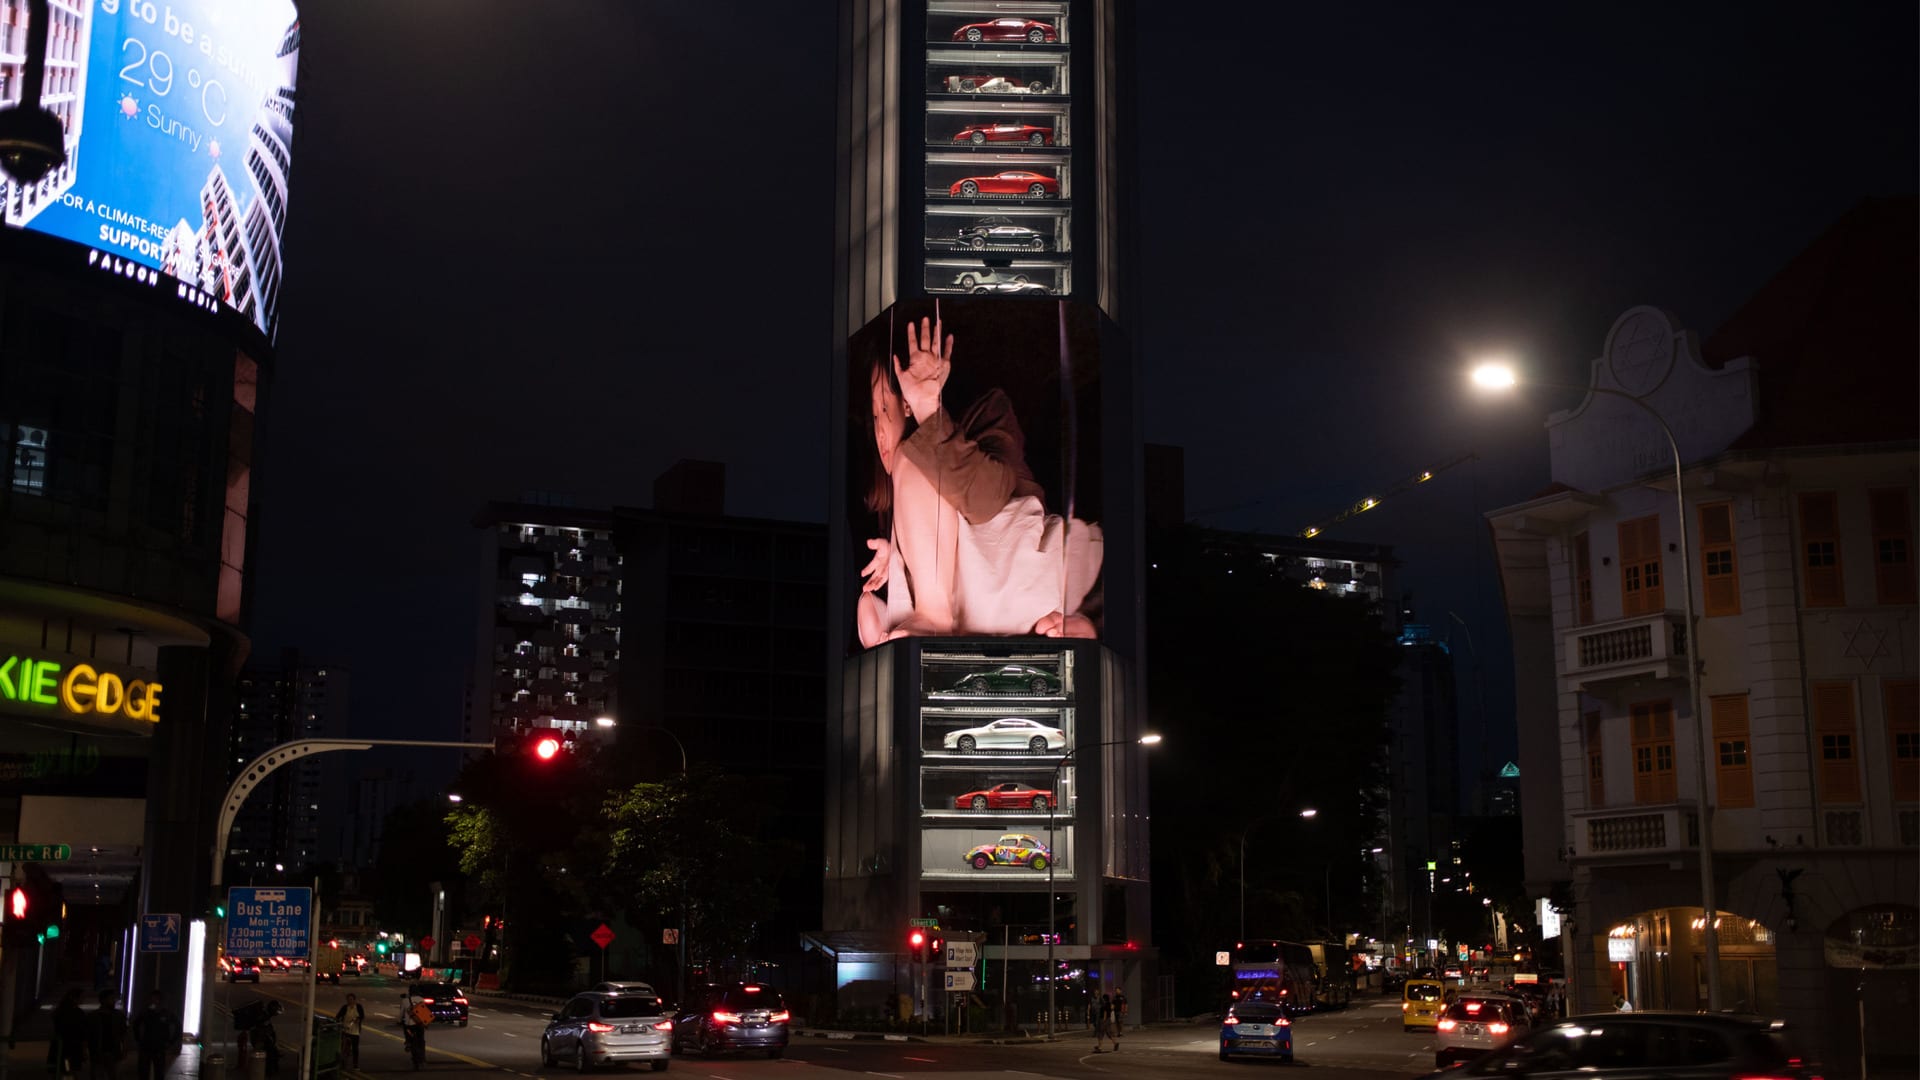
937,949
546,747
34,909
380,947
917,945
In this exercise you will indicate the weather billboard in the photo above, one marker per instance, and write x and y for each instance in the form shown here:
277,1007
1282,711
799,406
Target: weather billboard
179,122
973,471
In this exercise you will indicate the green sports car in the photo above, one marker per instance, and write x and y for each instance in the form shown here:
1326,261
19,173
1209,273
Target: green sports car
1010,679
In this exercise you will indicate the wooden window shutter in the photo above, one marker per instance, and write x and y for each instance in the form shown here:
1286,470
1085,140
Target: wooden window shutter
1732,750
1892,546
1820,549
1653,775
1596,763
1719,571
1901,699
1641,590
1834,742
1582,581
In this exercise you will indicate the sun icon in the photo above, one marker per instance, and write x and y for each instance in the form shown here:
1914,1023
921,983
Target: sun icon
129,108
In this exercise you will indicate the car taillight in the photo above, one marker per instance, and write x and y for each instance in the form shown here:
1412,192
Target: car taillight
779,1017
459,1001
1497,1028
1403,1006
1230,1021
664,1025
723,1017
426,1001
595,1025
1282,1022
1447,1025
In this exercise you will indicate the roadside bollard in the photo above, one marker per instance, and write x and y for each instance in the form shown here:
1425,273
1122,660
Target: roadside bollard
215,1068
257,1065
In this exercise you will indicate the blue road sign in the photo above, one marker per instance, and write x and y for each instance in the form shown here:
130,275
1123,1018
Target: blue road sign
269,922
159,933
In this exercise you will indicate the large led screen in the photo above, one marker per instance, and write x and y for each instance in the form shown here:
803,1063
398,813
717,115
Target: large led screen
973,474
179,118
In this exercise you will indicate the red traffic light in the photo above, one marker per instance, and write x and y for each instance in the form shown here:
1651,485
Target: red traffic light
17,903
916,939
546,748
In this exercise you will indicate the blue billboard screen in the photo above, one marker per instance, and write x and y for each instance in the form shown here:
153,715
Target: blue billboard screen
179,121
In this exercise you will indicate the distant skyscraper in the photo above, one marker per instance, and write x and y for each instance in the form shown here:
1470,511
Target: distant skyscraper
282,822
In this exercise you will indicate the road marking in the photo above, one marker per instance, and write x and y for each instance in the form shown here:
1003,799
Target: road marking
894,1076
927,1060
835,1049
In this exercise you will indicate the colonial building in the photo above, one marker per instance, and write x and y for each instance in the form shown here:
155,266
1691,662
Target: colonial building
1796,427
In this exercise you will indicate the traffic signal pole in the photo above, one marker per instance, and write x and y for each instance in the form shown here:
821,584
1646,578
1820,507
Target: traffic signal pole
251,777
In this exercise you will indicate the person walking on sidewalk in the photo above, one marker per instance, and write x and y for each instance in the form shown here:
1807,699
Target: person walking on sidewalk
156,1035
69,1050
1103,1027
352,1018
107,1037
1119,1012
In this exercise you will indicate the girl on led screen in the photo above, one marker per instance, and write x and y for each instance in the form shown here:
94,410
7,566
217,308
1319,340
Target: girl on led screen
970,547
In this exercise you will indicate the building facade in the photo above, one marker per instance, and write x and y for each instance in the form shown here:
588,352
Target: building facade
293,821
1796,428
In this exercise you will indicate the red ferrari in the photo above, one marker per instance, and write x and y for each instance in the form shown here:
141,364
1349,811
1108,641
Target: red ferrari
986,133
1007,30
1010,182
1005,797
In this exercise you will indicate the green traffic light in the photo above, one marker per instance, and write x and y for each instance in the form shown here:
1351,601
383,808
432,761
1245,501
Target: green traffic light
53,932
381,948
219,911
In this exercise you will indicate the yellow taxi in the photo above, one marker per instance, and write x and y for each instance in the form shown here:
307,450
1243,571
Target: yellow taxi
1421,1003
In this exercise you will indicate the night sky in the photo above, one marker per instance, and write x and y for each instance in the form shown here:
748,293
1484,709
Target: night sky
554,247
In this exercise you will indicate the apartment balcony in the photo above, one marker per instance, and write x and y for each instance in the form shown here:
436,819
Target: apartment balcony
1629,834
1645,646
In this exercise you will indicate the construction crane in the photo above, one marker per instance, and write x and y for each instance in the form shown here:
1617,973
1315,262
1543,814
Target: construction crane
1372,501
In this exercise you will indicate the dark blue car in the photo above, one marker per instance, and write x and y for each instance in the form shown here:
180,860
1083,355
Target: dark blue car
1256,1029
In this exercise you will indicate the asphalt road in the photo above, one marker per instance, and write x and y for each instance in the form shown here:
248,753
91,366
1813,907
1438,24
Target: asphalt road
503,1039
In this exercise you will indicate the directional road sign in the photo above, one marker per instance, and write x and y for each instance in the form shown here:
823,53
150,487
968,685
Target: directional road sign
269,922
931,924
159,933
35,853
959,980
960,954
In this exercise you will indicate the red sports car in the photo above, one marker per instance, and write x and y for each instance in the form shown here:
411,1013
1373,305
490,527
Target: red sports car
986,133
1007,30
1010,182
1005,797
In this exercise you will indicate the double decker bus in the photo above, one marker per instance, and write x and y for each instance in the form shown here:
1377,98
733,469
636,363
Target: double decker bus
1277,971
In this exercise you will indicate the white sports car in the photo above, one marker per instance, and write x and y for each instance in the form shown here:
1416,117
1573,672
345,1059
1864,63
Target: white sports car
1012,733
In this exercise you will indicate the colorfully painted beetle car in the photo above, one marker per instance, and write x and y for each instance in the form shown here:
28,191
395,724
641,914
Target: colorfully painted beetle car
1007,182
1013,849
1011,733
1259,1028
1012,678
1007,30
986,133
1008,796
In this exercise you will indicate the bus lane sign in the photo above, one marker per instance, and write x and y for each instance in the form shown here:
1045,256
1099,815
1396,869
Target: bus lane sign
269,921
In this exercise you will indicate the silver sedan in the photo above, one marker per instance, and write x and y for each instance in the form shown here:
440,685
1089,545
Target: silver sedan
1012,733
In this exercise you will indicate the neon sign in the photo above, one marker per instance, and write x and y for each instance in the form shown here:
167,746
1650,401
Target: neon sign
79,690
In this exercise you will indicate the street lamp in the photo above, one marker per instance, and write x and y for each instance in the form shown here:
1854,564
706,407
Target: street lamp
1502,377
1053,803
1309,813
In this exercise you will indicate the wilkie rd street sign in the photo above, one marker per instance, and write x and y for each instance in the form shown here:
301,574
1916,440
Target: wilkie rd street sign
35,853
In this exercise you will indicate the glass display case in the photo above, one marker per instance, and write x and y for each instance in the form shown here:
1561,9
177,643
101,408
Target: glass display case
999,171
996,799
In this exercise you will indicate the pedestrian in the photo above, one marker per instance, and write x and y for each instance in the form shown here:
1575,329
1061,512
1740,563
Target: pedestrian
1103,1025
156,1035
352,1018
1093,1009
1119,1013
1621,1004
69,1049
107,1037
